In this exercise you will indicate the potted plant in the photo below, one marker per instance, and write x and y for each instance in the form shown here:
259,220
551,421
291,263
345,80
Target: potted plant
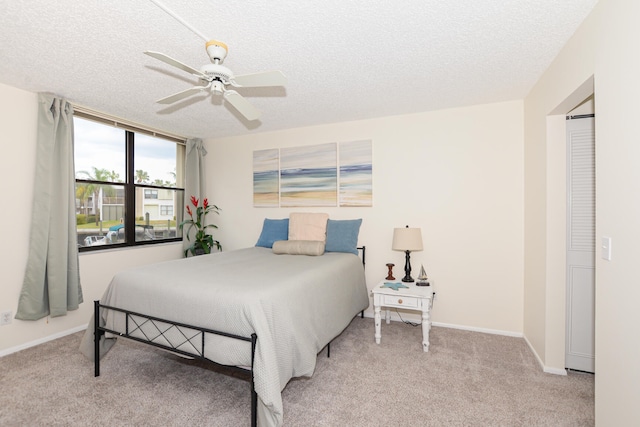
202,242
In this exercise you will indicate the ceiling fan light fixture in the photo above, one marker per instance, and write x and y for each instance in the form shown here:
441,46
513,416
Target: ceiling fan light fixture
217,87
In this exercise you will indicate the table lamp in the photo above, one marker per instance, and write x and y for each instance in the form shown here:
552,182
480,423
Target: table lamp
407,240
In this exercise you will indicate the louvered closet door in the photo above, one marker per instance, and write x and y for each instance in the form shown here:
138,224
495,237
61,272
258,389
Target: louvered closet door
580,328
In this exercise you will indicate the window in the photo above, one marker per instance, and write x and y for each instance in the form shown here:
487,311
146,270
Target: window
128,184
150,194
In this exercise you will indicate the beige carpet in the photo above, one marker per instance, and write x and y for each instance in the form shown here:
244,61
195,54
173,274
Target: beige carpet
466,379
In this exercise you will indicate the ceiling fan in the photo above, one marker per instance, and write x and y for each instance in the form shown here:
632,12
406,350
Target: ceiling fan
215,77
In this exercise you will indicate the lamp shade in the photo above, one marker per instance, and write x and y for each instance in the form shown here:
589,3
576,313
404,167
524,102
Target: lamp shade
407,239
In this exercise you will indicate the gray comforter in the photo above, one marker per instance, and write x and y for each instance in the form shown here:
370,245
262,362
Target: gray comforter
295,304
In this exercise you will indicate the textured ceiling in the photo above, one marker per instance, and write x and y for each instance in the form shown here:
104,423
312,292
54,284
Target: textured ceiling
344,60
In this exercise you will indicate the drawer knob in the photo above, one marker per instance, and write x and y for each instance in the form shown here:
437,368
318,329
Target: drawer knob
400,301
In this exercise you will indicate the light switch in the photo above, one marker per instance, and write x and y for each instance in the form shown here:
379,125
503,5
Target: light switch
606,248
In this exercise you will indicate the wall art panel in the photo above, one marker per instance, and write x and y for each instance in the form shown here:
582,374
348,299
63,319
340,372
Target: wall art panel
266,178
309,176
356,163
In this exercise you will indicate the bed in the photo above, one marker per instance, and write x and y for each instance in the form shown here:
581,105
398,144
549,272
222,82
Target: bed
264,313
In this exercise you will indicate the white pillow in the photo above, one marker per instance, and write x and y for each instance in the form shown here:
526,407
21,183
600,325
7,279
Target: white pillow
298,247
308,226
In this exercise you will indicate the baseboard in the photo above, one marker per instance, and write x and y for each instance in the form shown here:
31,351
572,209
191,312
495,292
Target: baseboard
396,318
555,371
34,343
546,369
475,329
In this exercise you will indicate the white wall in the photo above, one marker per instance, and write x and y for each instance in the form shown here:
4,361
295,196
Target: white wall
457,174
600,48
18,118
617,73
563,86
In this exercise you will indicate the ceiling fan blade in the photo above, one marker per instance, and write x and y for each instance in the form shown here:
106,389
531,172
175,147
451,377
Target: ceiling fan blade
181,95
266,78
242,105
174,62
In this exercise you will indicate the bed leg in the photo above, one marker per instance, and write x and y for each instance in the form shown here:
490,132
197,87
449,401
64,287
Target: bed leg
96,338
362,314
254,395
254,404
329,350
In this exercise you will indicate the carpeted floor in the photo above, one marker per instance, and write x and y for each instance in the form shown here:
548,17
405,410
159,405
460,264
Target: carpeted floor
466,379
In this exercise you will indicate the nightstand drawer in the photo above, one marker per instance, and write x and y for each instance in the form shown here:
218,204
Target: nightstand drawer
399,301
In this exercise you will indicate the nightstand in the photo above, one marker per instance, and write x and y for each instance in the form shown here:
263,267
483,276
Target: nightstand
418,298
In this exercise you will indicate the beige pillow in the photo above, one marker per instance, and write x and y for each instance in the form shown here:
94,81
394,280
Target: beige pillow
298,247
308,226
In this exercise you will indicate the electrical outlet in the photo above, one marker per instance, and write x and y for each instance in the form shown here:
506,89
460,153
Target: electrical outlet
5,318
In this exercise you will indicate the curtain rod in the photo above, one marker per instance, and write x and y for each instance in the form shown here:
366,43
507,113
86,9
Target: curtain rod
88,113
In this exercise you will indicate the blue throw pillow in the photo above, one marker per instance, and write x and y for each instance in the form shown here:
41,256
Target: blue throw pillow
342,235
272,231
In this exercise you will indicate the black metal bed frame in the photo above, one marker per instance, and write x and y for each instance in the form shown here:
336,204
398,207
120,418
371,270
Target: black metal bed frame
194,336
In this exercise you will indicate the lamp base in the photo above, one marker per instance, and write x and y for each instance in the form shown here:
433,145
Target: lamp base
407,267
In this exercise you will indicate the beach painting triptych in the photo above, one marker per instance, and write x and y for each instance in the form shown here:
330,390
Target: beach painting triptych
314,175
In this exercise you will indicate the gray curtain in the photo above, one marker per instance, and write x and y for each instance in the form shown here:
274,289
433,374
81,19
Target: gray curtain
52,281
195,177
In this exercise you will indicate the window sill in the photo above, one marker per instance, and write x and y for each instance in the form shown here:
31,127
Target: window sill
128,248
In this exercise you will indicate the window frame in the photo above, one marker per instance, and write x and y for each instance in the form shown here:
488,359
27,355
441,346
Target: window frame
130,186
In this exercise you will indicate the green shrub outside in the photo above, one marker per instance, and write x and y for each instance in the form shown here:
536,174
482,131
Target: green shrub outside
82,219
